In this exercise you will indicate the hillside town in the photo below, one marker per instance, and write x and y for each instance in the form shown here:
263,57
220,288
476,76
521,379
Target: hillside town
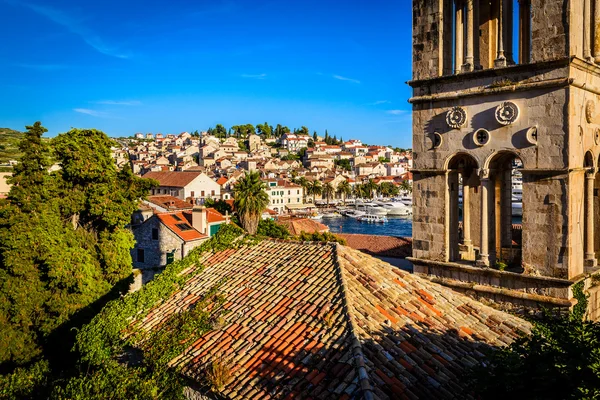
196,168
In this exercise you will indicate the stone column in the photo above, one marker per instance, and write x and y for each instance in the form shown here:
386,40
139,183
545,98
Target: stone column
484,252
508,31
476,38
587,30
500,60
525,31
459,33
466,215
597,31
468,65
590,258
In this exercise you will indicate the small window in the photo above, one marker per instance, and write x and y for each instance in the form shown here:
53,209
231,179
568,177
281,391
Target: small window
192,193
140,255
154,234
184,227
202,193
176,217
212,192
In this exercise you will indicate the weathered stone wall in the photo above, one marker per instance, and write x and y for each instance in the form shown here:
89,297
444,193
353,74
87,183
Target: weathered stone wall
155,251
426,22
549,29
429,217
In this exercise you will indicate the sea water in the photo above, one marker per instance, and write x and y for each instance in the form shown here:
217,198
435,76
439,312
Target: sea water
396,226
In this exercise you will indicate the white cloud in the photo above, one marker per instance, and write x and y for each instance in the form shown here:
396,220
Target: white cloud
343,78
378,102
256,76
119,103
398,112
87,111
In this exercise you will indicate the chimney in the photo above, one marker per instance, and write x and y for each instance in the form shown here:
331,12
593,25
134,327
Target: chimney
199,219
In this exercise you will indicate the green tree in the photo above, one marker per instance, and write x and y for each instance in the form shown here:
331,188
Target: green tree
303,131
387,189
344,164
220,131
559,360
302,181
31,182
251,200
314,188
264,129
370,188
406,187
270,228
344,189
220,205
327,191
61,257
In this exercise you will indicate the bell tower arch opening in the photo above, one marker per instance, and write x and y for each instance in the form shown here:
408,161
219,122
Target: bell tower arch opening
506,208
462,187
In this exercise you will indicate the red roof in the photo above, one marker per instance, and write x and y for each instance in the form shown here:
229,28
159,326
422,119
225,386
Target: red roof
169,202
173,178
213,216
222,180
180,225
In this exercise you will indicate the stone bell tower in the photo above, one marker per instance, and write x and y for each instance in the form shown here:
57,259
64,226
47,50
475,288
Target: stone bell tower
506,140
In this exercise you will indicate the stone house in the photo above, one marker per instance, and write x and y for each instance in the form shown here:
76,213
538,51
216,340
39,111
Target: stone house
283,193
165,237
253,142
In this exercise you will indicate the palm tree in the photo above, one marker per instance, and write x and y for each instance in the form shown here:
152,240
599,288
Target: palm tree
302,181
406,187
371,188
328,190
251,199
344,189
314,188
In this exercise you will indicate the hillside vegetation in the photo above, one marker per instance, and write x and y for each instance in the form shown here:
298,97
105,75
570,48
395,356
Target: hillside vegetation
9,140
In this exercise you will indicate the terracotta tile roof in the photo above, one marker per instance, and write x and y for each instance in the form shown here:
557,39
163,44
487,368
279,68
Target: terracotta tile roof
180,225
213,216
299,225
390,246
174,178
169,202
222,180
326,321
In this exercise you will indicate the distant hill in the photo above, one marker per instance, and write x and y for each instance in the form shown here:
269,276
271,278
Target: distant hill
9,139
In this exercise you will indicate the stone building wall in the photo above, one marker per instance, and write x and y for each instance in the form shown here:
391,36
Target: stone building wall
155,251
557,96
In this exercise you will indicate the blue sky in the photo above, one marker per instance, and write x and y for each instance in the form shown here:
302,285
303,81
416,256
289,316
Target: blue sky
152,66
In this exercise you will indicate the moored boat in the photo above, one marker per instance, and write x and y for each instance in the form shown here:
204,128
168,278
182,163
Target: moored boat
373,218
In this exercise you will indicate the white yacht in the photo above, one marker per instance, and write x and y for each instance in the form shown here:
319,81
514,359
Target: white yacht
396,208
371,208
354,213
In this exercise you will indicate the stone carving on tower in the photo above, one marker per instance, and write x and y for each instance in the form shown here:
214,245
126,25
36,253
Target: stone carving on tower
456,117
507,113
533,134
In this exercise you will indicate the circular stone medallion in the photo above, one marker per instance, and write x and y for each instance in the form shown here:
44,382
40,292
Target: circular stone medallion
507,113
481,137
590,110
456,117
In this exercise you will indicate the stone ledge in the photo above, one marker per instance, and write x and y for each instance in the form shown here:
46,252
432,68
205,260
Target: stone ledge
491,72
489,271
503,292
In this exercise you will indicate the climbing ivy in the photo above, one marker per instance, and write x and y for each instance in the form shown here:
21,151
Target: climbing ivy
106,343
580,308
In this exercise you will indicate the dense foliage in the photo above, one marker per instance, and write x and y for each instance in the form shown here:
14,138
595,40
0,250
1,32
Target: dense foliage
63,247
220,205
321,237
559,360
251,200
270,228
102,343
9,145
